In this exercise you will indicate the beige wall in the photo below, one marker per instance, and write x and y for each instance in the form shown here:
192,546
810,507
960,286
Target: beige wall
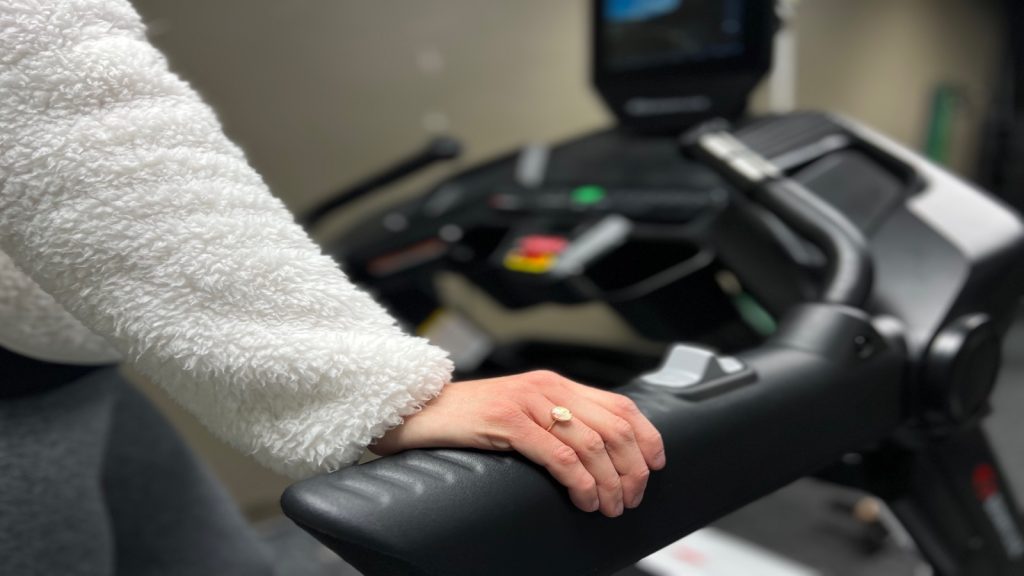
878,60
318,92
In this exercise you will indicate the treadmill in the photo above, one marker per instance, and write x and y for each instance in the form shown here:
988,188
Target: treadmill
870,293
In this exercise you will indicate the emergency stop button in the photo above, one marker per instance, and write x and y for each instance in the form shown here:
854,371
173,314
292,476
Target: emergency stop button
542,245
535,253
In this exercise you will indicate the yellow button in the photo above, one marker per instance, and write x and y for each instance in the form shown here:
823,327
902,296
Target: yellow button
517,262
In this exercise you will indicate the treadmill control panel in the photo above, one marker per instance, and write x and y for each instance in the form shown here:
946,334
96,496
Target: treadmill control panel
562,254
668,205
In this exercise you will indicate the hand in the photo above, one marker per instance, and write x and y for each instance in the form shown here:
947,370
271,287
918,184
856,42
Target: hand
603,455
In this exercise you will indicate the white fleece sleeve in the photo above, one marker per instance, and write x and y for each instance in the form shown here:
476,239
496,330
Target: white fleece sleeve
121,197
33,324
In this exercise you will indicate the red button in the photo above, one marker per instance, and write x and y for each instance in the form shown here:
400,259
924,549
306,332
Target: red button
541,245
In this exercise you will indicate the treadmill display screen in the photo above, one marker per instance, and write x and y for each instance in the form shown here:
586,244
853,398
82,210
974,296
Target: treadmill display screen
645,34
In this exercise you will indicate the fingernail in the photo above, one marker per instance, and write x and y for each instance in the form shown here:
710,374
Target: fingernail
618,508
594,505
636,501
659,460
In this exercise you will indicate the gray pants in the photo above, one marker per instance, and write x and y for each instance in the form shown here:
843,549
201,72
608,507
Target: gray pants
94,481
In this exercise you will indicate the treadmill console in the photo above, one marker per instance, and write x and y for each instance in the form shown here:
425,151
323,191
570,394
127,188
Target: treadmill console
662,65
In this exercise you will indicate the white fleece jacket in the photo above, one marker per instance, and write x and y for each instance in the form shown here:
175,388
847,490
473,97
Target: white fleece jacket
143,233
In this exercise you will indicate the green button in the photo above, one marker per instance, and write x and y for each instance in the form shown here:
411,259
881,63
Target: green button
587,195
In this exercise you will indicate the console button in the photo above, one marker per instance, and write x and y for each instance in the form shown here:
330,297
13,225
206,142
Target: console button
697,373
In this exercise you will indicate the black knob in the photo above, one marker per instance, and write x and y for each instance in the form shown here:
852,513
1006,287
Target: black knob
961,369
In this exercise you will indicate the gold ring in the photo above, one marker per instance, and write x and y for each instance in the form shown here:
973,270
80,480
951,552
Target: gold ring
559,414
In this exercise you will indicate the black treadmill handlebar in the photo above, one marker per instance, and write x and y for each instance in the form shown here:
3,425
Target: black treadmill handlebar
438,149
849,273
815,394
831,380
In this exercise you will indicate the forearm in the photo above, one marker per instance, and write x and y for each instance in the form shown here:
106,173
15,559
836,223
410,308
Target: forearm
122,198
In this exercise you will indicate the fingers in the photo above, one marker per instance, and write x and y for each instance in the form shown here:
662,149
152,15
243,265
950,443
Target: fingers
560,460
647,436
603,455
590,446
619,440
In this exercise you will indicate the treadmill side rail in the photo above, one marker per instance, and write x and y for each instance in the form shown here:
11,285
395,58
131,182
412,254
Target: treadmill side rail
451,513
